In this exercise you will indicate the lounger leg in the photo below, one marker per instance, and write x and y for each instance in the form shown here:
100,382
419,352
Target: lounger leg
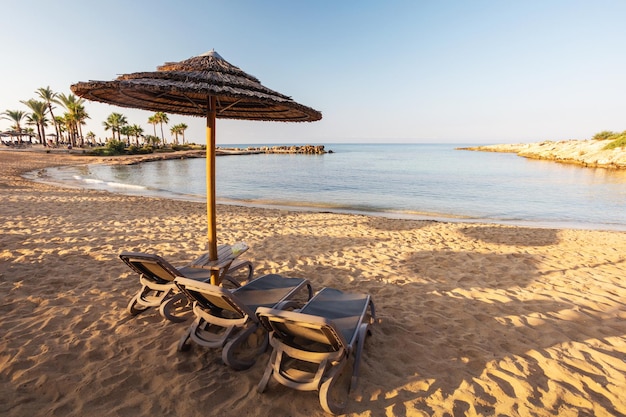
250,271
239,363
363,332
177,301
183,344
147,297
269,370
134,306
332,401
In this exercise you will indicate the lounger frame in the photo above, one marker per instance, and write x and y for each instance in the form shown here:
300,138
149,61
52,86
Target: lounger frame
311,351
226,318
156,276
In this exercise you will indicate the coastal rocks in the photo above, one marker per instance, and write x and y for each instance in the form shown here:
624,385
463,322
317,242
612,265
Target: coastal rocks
290,149
136,159
307,149
588,153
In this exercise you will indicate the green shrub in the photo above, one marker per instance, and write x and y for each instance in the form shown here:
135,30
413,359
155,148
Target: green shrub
135,150
618,142
604,135
163,150
99,152
116,147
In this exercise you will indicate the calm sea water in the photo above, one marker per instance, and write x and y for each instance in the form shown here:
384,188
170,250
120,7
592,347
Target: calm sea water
413,181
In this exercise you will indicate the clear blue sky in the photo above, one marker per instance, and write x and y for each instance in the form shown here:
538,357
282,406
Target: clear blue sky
380,71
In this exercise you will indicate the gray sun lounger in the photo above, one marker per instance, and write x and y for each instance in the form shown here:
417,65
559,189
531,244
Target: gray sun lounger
226,318
311,346
156,276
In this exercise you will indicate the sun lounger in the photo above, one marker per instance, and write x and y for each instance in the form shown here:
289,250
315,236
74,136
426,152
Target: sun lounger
226,318
311,346
158,289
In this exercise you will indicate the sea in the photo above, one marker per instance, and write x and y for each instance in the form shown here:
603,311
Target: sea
411,181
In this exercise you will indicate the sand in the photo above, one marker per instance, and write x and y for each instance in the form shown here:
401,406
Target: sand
474,319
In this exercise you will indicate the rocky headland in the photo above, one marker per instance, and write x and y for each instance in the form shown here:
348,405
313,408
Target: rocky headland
588,153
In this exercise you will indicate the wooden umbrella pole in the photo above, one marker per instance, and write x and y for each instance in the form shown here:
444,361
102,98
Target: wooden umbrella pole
210,186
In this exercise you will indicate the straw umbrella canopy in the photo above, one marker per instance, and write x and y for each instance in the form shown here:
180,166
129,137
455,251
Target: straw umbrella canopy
206,86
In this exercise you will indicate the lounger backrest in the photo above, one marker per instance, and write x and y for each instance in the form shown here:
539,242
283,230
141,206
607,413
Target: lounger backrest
289,325
331,317
151,266
209,296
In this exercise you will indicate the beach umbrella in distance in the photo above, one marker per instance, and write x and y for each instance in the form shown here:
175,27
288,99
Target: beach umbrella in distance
206,86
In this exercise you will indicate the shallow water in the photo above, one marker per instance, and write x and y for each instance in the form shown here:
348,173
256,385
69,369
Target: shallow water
415,181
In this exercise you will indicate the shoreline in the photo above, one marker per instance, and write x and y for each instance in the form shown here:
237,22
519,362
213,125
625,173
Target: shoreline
586,153
298,206
477,319
396,215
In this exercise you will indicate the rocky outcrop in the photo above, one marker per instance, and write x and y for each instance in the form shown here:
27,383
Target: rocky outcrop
303,149
136,159
588,153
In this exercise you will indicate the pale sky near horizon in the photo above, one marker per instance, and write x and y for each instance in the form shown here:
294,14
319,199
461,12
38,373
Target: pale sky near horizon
482,71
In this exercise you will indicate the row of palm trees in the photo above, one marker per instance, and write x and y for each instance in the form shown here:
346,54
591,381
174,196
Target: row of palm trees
68,128
117,123
69,123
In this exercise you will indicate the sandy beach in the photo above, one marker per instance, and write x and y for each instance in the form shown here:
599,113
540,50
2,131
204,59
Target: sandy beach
474,319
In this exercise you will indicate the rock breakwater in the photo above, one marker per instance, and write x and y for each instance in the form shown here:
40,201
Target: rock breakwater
301,149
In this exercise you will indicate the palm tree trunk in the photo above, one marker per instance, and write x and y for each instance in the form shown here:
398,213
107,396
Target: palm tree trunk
80,133
57,129
162,135
43,136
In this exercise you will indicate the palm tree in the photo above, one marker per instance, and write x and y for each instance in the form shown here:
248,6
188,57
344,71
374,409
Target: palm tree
124,130
60,122
68,126
90,136
153,140
75,117
16,116
49,97
161,118
136,131
127,130
115,122
182,127
178,130
153,121
174,131
38,118
80,116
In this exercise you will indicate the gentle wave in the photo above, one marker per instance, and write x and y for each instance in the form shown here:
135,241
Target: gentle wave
108,184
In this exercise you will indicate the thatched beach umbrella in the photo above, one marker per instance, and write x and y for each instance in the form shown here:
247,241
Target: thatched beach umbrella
207,86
